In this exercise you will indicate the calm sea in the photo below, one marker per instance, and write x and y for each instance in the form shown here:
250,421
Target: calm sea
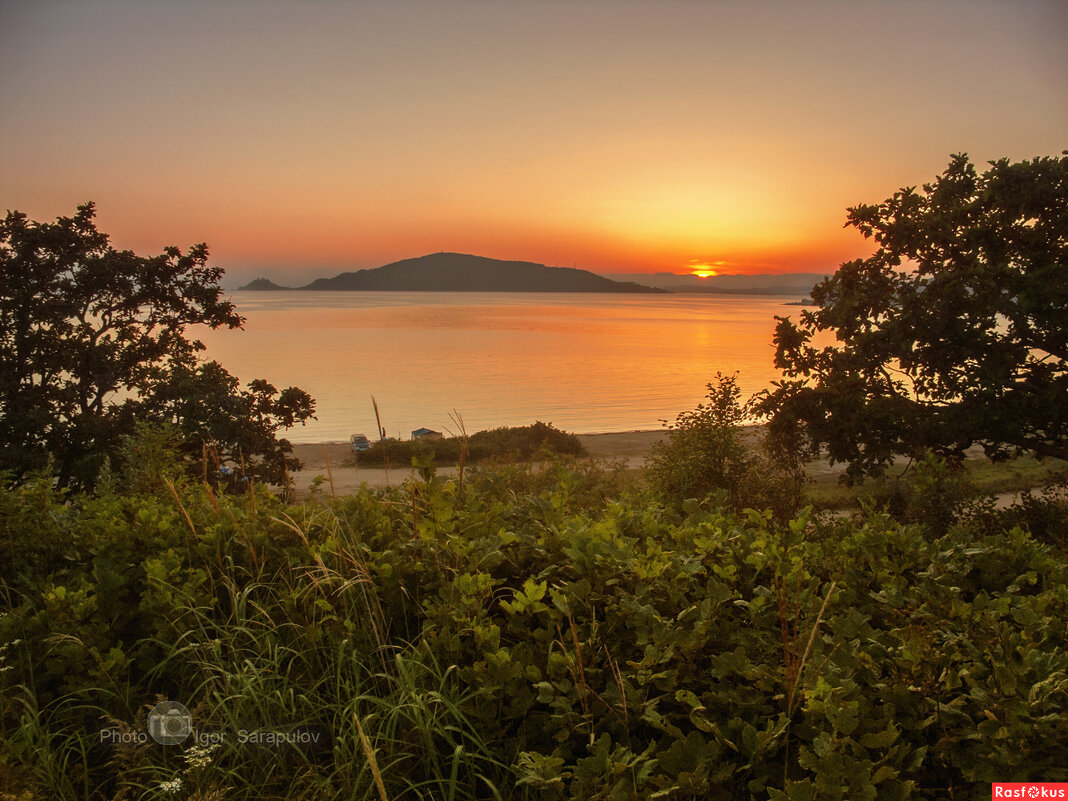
584,362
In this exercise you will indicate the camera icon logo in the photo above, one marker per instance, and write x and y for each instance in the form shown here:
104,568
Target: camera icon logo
169,723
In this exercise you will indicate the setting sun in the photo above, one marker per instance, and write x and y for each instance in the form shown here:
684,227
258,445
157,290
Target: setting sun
704,270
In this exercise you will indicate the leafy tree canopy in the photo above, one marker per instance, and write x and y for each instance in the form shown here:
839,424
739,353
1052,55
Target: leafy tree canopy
953,332
93,339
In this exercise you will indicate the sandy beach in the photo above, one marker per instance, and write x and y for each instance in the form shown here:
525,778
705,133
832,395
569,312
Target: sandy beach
332,461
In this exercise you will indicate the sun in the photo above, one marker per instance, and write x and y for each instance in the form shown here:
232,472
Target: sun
703,270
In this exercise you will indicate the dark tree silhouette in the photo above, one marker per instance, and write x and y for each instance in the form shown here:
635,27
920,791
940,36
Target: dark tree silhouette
93,339
953,332
224,425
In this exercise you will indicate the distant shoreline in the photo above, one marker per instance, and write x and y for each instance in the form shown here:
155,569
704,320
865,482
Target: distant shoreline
739,293
464,272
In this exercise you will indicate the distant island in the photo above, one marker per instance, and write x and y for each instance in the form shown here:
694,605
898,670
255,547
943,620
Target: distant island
458,272
262,285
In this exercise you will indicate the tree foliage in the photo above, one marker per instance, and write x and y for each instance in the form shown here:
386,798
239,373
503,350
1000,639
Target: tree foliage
953,332
228,430
93,339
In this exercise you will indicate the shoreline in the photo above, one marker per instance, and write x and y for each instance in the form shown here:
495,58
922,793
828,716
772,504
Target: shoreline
629,449
327,459
316,443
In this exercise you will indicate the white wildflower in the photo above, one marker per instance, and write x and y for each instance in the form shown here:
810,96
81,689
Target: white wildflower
200,756
172,787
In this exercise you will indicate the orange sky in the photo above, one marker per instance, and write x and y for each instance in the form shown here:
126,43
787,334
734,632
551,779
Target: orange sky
299,140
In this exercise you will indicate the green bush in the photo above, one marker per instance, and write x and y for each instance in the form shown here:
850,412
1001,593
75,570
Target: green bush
710,451
933,492
1043,514
545,635
539,440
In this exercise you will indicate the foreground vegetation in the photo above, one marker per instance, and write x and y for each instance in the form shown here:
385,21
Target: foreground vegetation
553,633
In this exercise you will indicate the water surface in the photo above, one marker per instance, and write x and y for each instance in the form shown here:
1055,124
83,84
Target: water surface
584,362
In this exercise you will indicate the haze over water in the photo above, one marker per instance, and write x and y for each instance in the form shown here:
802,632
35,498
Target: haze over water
584,362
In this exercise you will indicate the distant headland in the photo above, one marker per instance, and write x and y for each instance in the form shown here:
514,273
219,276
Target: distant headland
458,272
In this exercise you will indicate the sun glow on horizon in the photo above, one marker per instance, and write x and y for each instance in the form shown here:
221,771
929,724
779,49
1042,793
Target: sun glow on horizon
450,129
705,270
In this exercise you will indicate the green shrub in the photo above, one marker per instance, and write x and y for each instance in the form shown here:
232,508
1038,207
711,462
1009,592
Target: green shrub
1043,514
546,635
538,440
933,492
709,451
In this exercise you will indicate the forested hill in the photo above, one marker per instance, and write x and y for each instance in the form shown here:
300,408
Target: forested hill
457,272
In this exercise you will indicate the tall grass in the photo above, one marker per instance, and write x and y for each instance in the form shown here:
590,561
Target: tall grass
545,635
278,646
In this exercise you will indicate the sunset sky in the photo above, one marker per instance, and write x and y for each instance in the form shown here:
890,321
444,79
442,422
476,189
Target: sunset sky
302,139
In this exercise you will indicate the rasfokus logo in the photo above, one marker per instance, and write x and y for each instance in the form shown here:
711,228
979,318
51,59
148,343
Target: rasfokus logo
1029,790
